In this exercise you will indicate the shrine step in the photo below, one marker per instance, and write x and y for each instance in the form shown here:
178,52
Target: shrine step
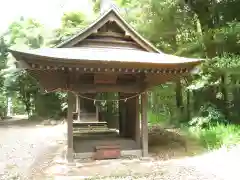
94,134
84,115
89,124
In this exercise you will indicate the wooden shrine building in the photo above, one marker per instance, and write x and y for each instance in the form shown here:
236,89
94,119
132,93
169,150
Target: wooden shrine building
107,56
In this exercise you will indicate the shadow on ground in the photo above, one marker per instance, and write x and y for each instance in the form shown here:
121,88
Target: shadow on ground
18,123
170,143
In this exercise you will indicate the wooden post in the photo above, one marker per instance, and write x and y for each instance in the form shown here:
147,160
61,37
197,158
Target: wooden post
70,127
144,124
97,111
137,124
78,107
122,116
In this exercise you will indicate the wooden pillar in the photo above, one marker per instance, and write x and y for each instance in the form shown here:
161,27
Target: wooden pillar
144,125
137,124
97,113
78,106
70,127
122,115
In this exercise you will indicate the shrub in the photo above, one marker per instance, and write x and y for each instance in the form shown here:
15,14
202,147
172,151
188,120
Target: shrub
217,136
208,115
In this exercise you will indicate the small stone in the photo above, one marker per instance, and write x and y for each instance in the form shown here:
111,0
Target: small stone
146,158
79,165
46,122
71,164
59,161
53,122
58,170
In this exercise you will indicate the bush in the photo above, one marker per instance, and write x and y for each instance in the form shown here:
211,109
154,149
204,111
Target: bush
217,136
48,106
207,116
156,118
212,129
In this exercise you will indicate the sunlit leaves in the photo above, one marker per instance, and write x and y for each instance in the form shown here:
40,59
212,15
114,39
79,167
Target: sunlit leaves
72,23
24,33
73,19
227,62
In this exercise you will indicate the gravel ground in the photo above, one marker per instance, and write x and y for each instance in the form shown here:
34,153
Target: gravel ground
217,165
20,147
142,170
220,164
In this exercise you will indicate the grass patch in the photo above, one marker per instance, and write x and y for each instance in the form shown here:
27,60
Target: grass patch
155,118
217,136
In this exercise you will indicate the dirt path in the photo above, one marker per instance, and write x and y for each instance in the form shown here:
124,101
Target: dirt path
170,161
29,149
21,145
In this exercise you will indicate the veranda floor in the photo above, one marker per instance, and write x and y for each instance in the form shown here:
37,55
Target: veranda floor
86,142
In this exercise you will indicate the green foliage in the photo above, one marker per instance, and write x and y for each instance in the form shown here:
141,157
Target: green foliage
72,23
226,63
193,28
96,6
208,115
25,86
215,137
30,34
3,104
3,63
3,53
25,33
156,119
73,19
48,105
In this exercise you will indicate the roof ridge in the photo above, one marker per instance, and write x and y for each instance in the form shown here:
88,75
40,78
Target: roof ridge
121,22
84,29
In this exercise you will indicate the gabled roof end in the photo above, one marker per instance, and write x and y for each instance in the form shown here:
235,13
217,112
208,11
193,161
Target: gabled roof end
112,14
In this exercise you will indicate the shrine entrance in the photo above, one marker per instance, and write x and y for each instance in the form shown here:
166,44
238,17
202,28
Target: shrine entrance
111,125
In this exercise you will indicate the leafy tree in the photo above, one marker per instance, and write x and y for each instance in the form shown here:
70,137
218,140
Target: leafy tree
193,28
23,34
72,22
3,62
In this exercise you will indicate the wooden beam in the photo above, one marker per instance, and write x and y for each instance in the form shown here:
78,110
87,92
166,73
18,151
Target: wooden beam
104,41
110,34
144,125
92,88
70,127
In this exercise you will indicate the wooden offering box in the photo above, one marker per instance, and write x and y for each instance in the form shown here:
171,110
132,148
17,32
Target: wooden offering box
107,152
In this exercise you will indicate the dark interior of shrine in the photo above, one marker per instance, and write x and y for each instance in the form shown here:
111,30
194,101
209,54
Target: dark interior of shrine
116,124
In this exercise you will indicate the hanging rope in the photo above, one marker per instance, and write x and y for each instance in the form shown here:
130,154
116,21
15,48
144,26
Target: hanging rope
111,100
99,100
96,100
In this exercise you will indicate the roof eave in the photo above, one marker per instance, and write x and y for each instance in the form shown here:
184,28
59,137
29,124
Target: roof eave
23,57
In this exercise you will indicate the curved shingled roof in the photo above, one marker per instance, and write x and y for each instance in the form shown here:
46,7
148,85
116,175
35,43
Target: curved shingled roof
104,55
67,51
